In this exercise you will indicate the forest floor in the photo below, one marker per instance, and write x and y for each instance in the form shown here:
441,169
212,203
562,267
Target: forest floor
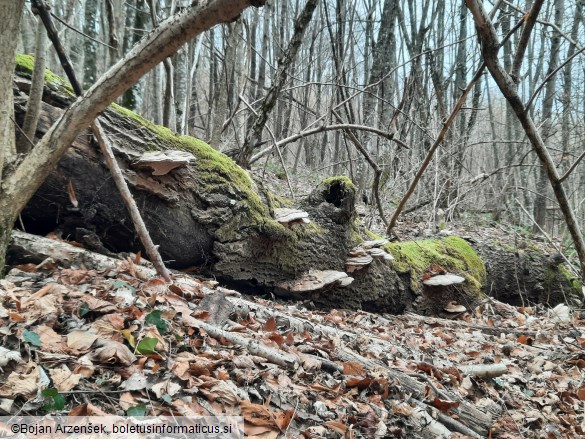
84,341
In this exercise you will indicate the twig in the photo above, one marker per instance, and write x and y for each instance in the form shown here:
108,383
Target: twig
118,178
63,22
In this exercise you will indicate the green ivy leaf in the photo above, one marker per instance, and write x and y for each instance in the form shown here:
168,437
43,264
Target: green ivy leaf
32,338
137,410
50,393
154,318
147,345
122,284
56,401
83,309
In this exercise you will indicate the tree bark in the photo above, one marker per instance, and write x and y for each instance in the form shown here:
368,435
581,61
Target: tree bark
10,11
33,109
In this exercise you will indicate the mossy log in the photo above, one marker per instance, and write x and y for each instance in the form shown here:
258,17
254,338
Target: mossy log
207,212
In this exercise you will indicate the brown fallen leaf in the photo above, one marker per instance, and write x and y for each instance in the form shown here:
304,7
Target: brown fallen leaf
63,379
353,368
270,325
21,384
87,409
81,341
111,352
336,426
444,405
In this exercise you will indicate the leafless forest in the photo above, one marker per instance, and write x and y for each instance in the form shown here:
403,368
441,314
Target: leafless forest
363,89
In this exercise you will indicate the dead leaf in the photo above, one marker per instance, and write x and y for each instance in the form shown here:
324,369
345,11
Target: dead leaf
444,405
112,352
353,368
63,379
270,325
81,341
524,339
71,194
336,426
403,409
21,384
87,409
166,387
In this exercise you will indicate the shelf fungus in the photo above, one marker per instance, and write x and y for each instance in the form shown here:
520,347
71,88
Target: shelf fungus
376,243
163,162
444,280
287,217
355,263
454,308
315,280
364,254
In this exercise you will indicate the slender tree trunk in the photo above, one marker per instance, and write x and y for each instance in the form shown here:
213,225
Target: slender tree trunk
90,47
135,19
542,184
11,12
231,35
33,106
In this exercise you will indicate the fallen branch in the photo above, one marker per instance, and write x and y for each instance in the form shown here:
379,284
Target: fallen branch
255,347
433,321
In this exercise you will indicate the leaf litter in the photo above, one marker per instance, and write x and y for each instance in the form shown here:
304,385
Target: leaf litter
90,342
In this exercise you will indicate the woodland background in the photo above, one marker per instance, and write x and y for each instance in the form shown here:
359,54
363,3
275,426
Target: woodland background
370,93
395,65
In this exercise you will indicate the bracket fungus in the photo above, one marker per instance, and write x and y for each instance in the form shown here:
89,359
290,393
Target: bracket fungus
444,280
356,263
162,162
288,217
454,307
364,254
315,280
374,243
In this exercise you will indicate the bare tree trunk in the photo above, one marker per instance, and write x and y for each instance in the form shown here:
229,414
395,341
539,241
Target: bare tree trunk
169,115
10,11
90,70
221,102
542,186
33,106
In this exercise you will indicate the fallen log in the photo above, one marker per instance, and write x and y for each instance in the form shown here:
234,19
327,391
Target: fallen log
205,211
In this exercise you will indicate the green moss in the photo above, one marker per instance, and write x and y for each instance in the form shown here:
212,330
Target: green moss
373,236
345,182
276,200
25,65
219,174
453,253
574,283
